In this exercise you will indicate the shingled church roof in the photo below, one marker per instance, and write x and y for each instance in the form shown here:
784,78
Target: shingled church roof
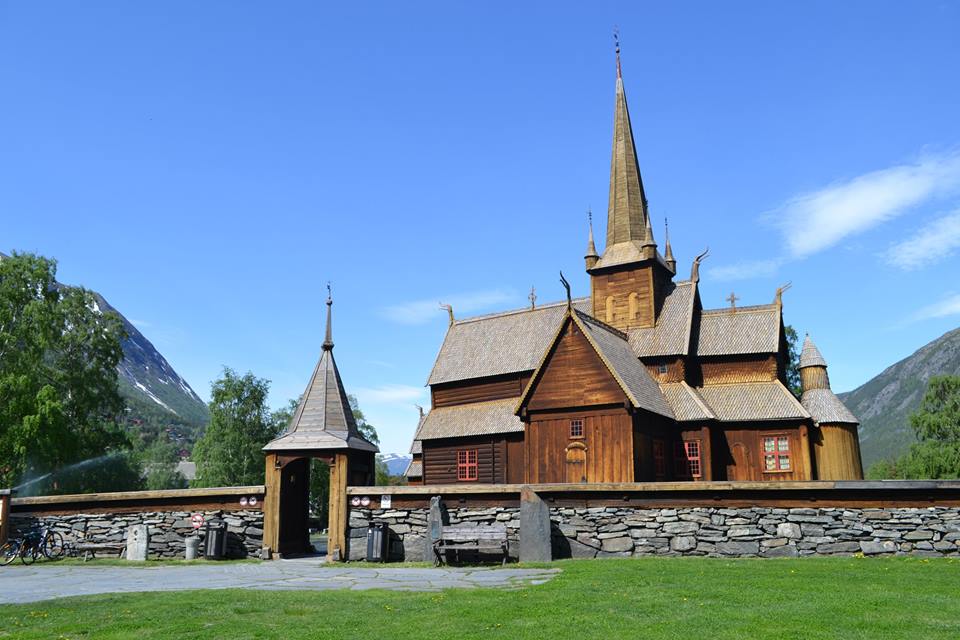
323,419
671,334
478,418
749,401
737,331
499,343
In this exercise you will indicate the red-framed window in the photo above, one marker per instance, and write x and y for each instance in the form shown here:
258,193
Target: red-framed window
659,460
467,468
776,454
576,428
686,459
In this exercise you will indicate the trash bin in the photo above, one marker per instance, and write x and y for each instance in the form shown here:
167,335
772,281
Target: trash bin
378,539
215,545
192,546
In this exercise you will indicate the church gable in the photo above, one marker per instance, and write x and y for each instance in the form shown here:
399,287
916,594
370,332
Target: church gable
572,375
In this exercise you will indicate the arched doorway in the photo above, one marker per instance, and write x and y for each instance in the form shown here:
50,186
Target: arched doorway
576,462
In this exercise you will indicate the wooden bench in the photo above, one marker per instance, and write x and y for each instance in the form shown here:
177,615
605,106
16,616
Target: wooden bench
90,549
492,538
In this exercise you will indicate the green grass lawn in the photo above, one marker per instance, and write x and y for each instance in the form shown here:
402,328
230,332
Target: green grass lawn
644,598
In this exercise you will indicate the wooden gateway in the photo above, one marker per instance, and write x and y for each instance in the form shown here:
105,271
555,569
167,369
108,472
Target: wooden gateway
637,382
322,428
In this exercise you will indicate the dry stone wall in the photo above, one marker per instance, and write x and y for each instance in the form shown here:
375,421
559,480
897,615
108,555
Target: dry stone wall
749,532
168,530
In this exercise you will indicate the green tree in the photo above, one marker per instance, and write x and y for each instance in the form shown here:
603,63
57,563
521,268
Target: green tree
230,452
793,361
59,398
936,423
160,466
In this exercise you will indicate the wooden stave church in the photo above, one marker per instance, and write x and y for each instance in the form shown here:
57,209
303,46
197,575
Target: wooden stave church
636,382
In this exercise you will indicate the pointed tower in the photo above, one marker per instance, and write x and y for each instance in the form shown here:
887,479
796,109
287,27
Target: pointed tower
591,256
668,254
323,419
628,280
836,448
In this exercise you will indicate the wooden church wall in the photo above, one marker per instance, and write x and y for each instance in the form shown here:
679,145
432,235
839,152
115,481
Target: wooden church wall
479,390
738,452
757,368
574,377
499,459
604,453
618,285
836,452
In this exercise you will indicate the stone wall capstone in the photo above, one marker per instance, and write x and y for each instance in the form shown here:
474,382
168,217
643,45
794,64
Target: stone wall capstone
695,531
168,530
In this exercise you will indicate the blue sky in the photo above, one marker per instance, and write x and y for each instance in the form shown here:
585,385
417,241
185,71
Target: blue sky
209,166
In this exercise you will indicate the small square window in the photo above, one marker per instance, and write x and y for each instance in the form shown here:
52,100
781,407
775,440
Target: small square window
662,368
776,454
576,428
467,467
686,459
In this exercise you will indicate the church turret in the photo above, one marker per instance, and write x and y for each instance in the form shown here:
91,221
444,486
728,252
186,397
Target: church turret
836,448
590,257
629,279
668,254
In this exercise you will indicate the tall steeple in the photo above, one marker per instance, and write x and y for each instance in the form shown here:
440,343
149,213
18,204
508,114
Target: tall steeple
668,254
627,216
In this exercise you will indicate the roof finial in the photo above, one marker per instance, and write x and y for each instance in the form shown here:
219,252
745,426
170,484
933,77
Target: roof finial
591,256
668,253
732,299
449,309
695,269
616,41
533,298
778,297
328,340
566,285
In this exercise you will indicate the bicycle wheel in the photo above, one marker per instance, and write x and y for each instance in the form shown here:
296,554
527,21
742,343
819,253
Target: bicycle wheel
9,551
28,553
52,546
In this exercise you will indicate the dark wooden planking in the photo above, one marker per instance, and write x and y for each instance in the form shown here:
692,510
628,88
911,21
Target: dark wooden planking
573,376
479,389
739,449
608,438
745,368
440,459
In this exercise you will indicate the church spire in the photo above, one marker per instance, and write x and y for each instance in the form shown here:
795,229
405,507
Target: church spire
328,340
591,255
627,217
668,255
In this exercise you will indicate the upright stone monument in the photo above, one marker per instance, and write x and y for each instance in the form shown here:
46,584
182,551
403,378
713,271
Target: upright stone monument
138,542
534,528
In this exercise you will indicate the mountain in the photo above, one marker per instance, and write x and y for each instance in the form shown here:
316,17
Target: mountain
884,403
155,393
396,463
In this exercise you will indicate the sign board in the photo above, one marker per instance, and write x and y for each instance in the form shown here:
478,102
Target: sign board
386,501
197,520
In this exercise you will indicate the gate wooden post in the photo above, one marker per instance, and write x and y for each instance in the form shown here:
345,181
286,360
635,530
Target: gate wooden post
5,496
337,525
271,504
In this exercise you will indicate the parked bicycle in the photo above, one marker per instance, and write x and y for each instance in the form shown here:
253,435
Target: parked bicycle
36,542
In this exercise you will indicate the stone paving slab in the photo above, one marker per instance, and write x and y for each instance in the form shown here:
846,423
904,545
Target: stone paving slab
20,584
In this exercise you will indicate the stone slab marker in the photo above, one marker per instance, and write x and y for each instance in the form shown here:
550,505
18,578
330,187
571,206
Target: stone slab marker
434,524
138,541
534,528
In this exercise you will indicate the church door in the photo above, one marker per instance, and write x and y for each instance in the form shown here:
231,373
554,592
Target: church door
576,462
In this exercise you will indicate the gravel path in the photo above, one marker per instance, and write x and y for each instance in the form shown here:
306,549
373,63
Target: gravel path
20,584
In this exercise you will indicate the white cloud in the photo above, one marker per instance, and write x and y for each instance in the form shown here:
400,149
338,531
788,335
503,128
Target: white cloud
948,306
818,220
744,270
140,324
390,394
934,242
423,311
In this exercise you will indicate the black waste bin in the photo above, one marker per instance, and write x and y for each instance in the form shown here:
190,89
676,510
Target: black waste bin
215,545
378,542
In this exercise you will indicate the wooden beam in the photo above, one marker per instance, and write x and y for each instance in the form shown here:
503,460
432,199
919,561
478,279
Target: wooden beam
337,527
271,504
4,515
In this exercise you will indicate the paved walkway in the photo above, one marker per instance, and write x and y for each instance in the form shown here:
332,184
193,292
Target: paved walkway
43,582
